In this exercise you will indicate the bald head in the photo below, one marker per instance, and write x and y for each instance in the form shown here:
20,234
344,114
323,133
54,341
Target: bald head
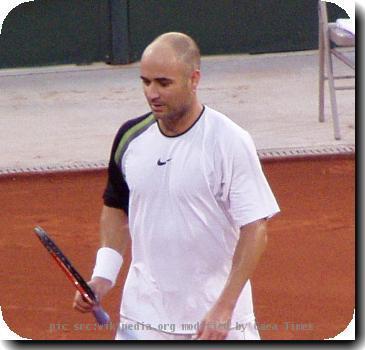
182,47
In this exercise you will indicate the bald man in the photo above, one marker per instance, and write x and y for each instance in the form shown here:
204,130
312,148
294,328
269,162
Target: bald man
187,193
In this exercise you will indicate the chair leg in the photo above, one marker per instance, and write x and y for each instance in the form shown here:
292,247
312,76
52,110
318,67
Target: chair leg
331,85
321,75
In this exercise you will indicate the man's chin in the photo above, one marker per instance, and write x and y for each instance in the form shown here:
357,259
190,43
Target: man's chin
159,114
166,115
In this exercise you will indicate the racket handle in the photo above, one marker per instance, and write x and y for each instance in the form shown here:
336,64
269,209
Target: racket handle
100,315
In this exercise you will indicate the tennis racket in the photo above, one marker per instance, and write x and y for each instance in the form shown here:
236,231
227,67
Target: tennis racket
87,293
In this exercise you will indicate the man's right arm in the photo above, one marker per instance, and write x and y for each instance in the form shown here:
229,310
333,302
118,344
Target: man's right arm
114,234
114,230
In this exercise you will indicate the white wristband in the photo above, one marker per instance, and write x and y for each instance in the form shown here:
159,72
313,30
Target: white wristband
108,263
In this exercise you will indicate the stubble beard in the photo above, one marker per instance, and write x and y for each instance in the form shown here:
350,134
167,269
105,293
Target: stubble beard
172,119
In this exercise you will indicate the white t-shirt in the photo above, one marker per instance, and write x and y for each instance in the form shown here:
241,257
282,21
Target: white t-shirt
186,198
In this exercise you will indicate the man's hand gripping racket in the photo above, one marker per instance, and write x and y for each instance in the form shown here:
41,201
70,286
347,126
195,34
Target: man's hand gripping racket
86,292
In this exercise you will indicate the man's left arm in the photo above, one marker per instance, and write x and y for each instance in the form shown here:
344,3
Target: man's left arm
250,246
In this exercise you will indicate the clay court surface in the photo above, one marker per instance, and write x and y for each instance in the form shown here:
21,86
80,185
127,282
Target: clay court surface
304,287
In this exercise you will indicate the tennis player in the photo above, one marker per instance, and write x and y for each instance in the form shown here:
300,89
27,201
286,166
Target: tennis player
186,191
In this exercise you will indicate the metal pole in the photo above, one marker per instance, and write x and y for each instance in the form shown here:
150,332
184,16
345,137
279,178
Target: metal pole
119,31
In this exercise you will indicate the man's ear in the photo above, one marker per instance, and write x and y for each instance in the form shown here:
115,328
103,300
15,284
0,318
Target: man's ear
195,78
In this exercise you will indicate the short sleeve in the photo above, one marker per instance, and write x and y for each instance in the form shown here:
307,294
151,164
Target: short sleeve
248,193
116,193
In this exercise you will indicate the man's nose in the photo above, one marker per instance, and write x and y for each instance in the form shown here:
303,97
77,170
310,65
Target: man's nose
152,92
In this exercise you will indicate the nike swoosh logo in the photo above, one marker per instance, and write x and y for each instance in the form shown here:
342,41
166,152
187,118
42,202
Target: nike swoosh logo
159,162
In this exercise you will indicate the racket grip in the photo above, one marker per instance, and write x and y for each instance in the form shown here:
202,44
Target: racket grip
100,315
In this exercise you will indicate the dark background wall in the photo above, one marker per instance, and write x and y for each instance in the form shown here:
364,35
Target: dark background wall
54,32
45,32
